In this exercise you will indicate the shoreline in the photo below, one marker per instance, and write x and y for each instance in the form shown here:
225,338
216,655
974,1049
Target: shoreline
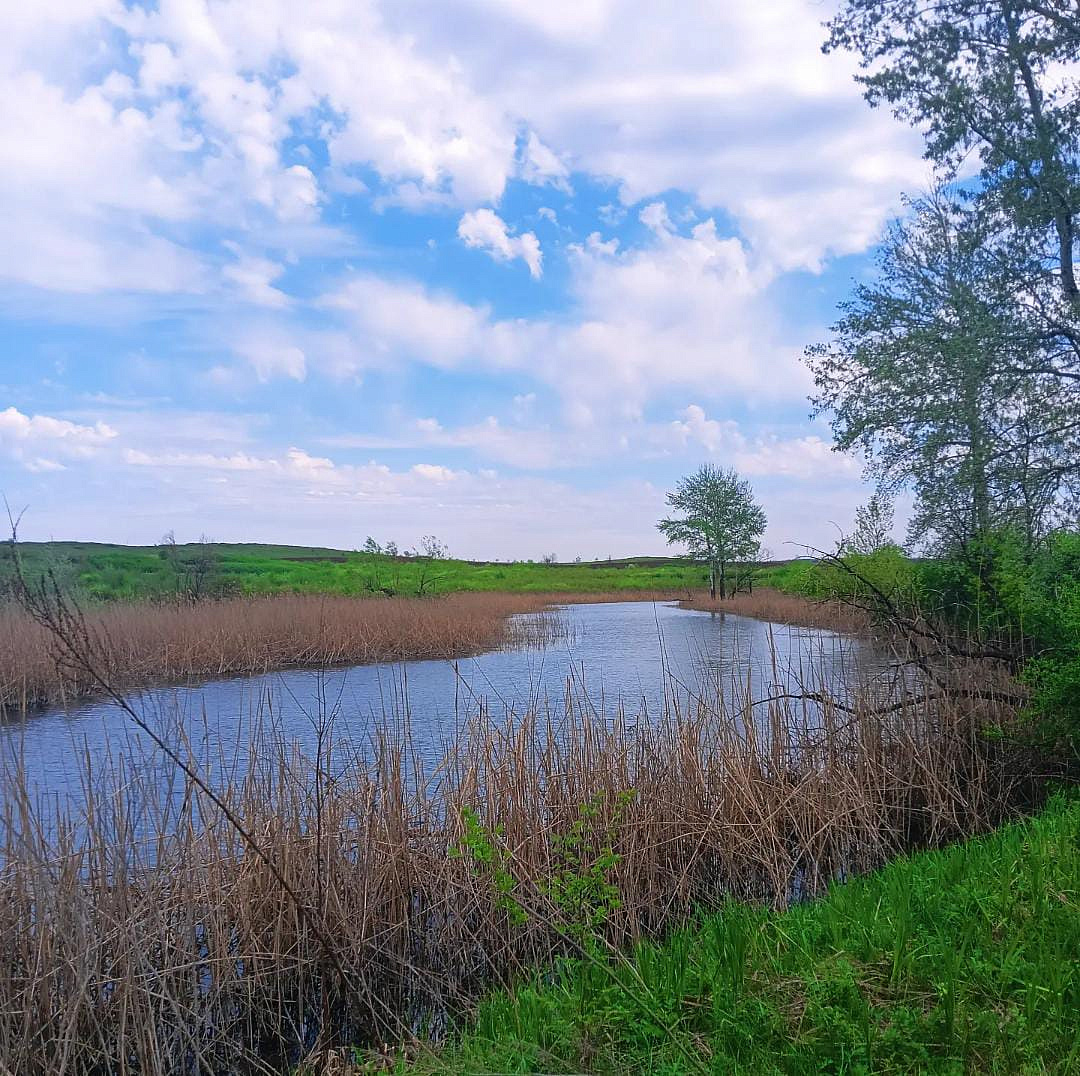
415,879
145,646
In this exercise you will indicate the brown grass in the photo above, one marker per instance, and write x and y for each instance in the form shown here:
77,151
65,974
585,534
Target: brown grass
140,941
145,644
767,604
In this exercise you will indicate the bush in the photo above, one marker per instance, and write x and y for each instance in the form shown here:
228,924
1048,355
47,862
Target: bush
1029,601
887,569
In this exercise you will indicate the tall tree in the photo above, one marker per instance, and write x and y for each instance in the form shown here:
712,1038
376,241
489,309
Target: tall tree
995,76
934,375
720,523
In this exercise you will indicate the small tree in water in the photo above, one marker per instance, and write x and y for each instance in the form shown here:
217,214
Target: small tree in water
721,522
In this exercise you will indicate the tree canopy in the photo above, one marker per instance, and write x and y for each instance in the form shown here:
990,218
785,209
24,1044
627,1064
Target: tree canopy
719,521
993,77
935,372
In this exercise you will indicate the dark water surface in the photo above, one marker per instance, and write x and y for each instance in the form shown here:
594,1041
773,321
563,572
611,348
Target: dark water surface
638,657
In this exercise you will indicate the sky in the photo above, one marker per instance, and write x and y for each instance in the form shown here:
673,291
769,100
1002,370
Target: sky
499,271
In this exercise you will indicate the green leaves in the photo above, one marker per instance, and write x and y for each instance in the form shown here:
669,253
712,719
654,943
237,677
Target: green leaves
484,848
945,375
993,77
719,521
580,885
960,960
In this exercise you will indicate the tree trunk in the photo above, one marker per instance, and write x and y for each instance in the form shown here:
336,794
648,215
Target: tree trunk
1052,173
723,587
712,581
1064,224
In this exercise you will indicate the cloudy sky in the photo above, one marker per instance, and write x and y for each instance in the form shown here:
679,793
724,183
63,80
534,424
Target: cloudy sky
497,270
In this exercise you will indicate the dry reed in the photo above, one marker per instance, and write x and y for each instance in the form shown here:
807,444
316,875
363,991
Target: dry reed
147,940
765,603
143,644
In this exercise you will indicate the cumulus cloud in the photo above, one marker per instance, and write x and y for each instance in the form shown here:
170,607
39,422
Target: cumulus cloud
683,310
36,441
655,217
734,105
485,229
766,455
540,165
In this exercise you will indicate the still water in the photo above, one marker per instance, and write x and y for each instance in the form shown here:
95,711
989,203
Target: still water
640,658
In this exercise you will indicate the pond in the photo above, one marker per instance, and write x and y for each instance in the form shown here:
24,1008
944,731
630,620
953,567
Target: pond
638,658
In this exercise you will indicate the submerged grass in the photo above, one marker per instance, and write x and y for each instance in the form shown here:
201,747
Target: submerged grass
143,936
964,959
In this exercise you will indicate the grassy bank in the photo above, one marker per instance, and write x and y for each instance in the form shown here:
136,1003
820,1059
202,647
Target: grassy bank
965,959
110,573
366,899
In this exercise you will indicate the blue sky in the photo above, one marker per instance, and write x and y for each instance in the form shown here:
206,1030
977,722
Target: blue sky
497,271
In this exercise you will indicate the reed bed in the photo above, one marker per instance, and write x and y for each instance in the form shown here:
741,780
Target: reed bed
139,645
148,938
765,603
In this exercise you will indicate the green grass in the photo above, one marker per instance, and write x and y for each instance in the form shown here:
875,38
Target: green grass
953,961
108,572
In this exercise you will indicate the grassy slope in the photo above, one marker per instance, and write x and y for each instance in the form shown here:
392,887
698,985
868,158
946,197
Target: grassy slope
961,960
107,572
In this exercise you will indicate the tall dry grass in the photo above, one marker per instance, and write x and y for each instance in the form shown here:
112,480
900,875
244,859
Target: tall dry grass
768,604
143,644
150,940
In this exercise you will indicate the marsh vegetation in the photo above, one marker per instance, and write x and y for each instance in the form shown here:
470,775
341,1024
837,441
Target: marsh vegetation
150,936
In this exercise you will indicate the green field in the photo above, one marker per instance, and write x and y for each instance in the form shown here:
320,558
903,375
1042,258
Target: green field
109,572
953,961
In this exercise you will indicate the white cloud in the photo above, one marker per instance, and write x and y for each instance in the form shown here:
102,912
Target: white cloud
487,230
390,321
799,457
145,471
655,217
296,463
271,354
36,440
253,277
684,311
765,455
433,472
734,105
540,165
